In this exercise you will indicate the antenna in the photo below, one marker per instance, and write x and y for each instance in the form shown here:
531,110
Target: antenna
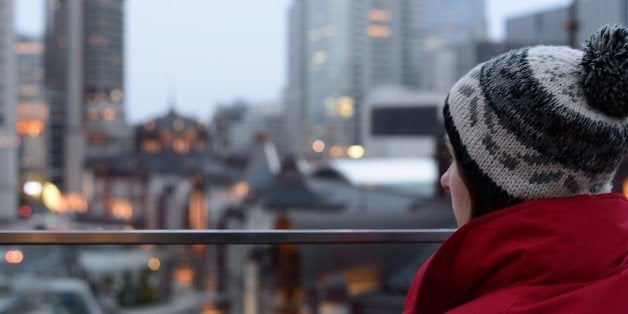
172,98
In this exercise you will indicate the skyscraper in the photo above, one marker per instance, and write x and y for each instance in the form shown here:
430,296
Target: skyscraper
84,75
32,110
339,50
8,139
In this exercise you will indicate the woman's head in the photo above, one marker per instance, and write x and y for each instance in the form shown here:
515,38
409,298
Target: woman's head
541,122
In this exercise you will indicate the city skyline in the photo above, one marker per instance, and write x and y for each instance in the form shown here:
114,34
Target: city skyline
158,65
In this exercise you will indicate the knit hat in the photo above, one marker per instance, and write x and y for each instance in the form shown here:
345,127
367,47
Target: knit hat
542,122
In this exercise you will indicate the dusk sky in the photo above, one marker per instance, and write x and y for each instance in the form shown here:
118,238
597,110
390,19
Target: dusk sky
206,52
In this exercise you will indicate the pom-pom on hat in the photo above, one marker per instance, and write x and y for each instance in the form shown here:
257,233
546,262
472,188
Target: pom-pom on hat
542,122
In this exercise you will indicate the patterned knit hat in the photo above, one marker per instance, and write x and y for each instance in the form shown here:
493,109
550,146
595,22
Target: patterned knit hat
542,122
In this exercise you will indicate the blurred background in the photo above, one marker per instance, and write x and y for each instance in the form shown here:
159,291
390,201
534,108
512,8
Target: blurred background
280,114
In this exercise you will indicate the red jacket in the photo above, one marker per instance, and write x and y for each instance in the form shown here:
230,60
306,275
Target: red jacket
566,255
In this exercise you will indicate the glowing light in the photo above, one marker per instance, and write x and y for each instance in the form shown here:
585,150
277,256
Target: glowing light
320,57
51,196
109,114
154,264
120,208
318,146
32,128
196,210
24,211
153,146
116,95
378,31
74,202
29,48
185,275
32,188
379,15
14,256
355,151
92,114
345,107
180,146
240,189
336,152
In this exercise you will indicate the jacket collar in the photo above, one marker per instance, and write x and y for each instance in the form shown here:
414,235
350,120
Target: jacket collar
569,240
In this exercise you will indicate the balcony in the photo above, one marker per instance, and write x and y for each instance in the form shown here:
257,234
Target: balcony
211,271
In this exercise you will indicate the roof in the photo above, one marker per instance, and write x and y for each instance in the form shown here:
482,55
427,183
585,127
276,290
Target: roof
171,121
288,189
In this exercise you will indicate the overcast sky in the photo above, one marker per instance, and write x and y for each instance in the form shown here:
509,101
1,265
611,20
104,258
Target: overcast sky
207,52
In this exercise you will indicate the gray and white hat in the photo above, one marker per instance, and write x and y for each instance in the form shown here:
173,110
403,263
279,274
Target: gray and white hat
543,122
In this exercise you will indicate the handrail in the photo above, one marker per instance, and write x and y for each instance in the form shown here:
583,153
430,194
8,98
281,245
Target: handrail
224,237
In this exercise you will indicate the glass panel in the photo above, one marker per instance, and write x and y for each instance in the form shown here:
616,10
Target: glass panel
297,278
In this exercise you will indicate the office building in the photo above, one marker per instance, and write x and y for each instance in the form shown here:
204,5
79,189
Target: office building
8,140
338,50
32,110
84,76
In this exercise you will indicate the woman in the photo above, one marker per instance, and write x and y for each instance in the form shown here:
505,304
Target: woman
536,136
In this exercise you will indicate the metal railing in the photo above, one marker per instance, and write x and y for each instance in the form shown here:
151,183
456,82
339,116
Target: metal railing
224,237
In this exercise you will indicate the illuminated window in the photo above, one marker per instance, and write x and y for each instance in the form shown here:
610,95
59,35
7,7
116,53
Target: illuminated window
318,146
320,57
93,114
116,95
378,15
28,48
32,128
120,208
109,114
378,31
180,146
152,145
337,151
97,139
98,40
166,137
90,97
345,107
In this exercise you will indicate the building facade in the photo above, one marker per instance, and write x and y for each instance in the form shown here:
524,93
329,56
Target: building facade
84,77
339,50
32,110
8,140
